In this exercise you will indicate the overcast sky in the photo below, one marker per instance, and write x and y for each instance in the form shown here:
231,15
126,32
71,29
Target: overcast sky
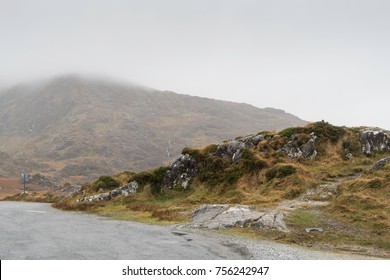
319,60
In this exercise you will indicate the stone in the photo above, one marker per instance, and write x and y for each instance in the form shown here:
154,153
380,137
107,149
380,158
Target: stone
313,229
322,192
232,151
272,220
126,190
203,214
306,151
180,172
309,149
381,163
214,216
374,140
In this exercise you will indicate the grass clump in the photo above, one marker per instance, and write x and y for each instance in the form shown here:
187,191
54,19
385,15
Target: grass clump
364,202
216,171
250,163
154,178
279,171
105,183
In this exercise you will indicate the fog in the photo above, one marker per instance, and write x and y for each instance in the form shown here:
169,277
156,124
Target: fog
320,60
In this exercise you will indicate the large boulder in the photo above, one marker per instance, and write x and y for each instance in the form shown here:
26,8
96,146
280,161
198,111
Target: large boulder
272,220
374,140
213,216
232,150
181,171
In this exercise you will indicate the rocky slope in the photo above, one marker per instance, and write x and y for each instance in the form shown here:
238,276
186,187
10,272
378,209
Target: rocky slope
79,128
334,180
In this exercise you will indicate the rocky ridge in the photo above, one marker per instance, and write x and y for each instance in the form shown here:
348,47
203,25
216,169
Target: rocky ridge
243,156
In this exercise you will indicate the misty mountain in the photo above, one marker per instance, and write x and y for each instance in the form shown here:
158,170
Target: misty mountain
78,128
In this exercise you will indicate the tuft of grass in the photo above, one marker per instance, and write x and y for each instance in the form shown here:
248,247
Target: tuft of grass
279,171
105,183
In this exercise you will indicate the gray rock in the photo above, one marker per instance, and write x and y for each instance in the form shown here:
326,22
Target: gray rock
381,163
232,150
314,229
374,140
322,192
181,171
222,216
272,220
307,150
202,215
126,190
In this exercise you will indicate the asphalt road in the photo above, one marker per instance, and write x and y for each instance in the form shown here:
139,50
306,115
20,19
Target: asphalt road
38,231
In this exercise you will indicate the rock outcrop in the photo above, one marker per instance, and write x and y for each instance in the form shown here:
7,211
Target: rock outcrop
307,150
232,150
181,171
213,216
126,190
374,140
381,163
272,220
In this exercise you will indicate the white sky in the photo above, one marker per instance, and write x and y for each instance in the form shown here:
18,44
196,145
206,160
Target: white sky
316,59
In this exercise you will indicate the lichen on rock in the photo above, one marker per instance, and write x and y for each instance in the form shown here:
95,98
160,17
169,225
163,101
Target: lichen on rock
180,172
232,150
306,150
126,190
374,140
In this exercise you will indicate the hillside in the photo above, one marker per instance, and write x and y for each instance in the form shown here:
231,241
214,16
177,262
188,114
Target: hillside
77,128
318,185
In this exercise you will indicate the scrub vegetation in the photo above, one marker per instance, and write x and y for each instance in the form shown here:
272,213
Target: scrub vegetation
357,215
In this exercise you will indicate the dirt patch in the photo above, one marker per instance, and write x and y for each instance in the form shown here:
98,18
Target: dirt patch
12,186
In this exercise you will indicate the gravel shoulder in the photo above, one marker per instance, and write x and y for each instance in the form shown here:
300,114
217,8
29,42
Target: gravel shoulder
269,250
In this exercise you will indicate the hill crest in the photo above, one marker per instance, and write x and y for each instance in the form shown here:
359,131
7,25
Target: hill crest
83,127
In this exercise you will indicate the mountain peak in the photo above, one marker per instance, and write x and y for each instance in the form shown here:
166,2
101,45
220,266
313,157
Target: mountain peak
84,126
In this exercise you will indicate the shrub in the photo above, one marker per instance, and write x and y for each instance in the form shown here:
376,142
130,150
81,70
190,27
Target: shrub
215,171
326,130
194,153
250,163
106,183
154,178
271,173
279,172
288,132
375,184
210,149
142,178
157,177
285,170
301,138
352,145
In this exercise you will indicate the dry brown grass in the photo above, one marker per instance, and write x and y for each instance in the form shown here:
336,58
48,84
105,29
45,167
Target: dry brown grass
10,187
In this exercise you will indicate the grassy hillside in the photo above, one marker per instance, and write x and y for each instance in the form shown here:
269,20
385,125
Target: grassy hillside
77,128
280,168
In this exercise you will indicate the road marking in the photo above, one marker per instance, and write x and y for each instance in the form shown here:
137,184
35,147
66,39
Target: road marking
35,211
